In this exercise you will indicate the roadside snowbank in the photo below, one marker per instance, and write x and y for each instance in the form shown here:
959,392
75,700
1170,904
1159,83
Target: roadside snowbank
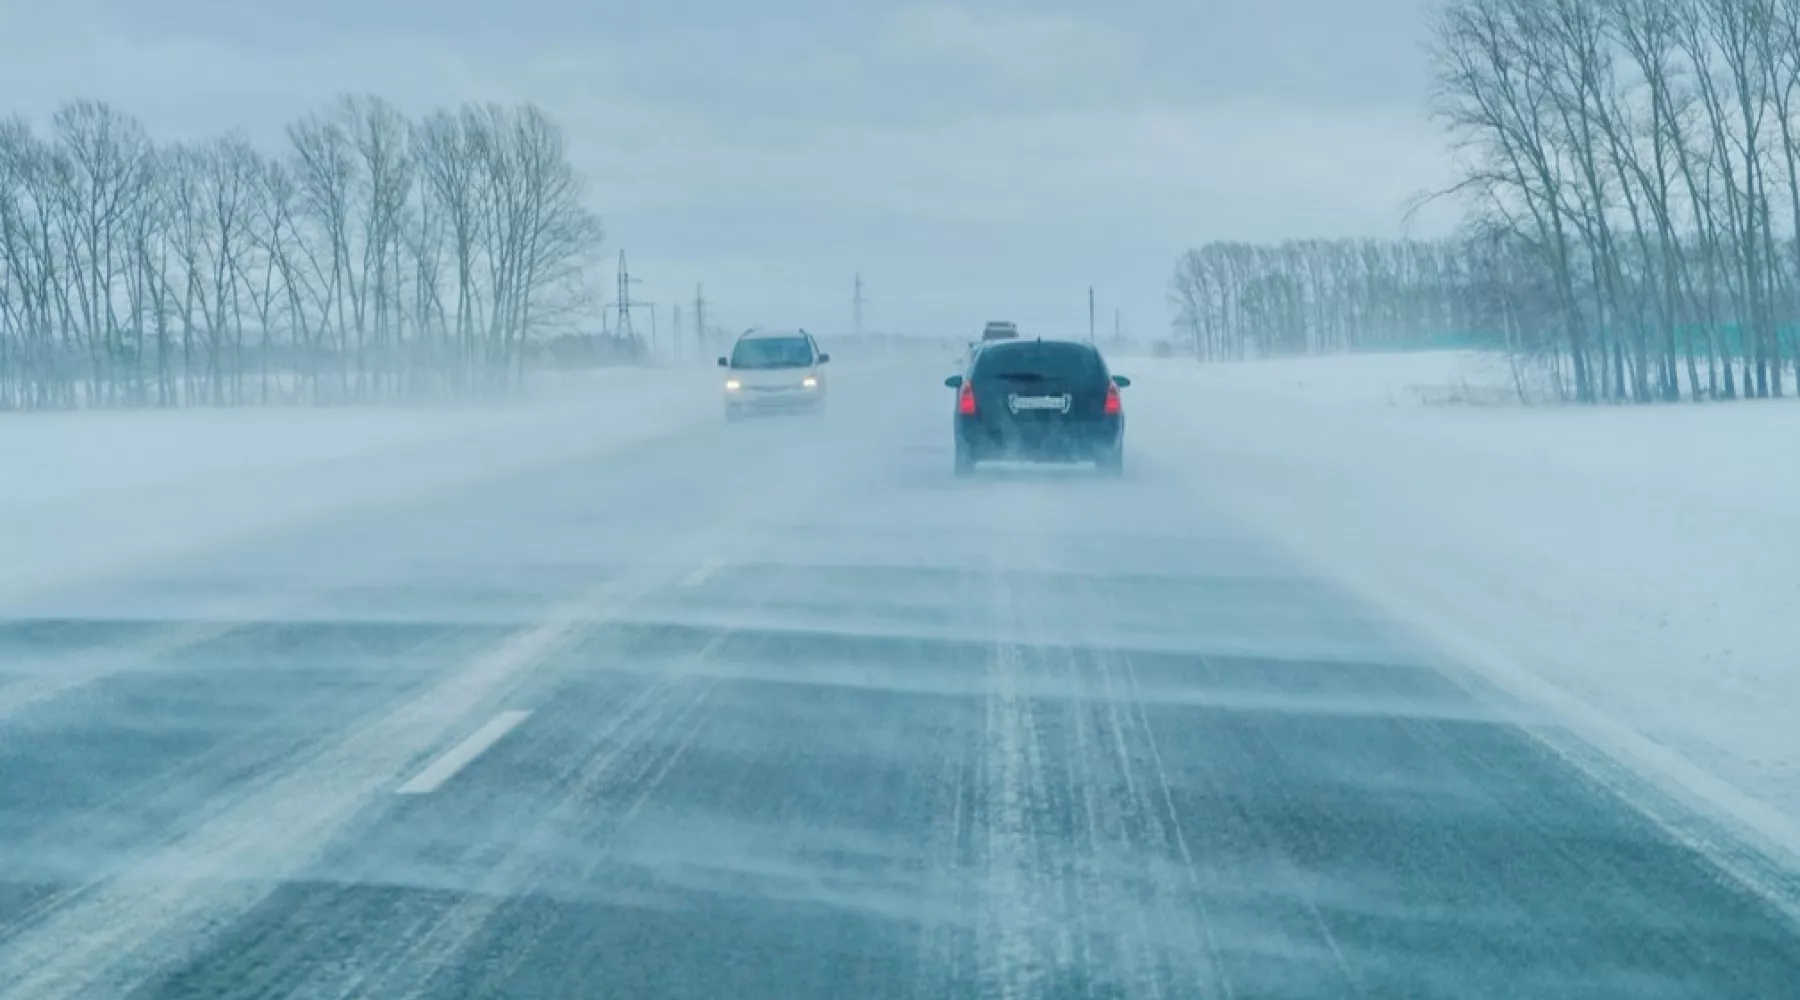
1365,380
92,493
1627,568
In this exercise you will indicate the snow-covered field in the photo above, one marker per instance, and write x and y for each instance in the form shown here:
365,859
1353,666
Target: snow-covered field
90,493
1626,569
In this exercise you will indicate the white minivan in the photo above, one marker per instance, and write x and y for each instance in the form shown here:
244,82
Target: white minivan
773,371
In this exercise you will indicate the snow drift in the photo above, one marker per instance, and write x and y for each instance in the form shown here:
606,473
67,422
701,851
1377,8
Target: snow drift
1625,566
94,493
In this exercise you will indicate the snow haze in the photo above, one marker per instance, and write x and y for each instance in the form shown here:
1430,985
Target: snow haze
1323,623
397,600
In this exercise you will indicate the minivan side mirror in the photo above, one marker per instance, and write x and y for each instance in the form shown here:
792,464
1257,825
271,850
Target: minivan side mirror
1121,381
953,382
723,363
823,358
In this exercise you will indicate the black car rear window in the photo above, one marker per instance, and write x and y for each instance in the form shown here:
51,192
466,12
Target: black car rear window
1044,360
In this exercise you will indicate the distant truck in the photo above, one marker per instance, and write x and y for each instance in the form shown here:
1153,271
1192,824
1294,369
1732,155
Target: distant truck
997,329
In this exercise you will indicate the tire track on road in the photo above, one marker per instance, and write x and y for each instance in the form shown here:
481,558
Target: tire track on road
1157,805
1120,862
1103,830
491,924
125,930
66,675
1015,958
628,767
107,937
941,960
229,770
630,764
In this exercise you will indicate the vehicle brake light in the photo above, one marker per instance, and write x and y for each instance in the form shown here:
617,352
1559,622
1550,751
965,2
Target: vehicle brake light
1113,406
965,402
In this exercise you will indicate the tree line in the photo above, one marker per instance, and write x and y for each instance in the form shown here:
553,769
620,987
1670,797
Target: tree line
1241,300
372,257
1631,179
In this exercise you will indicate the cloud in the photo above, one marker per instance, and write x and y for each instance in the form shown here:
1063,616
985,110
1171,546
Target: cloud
1057,52
966,154
189,87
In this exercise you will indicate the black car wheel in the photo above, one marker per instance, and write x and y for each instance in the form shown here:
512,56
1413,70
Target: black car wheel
1112,460
965,459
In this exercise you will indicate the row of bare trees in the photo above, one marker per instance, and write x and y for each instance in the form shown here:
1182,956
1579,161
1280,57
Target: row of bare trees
1632,181
1634,165
372,257
1241,300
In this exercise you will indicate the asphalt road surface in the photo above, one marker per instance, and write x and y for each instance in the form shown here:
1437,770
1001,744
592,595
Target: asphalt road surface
782,710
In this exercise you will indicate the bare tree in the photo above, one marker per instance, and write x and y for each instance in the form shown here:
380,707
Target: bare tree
373,257
97,161
1625,164
1237,300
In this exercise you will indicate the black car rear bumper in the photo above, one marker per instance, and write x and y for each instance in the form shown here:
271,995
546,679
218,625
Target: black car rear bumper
1061,441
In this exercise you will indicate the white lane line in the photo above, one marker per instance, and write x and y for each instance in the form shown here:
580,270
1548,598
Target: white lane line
702,573
463,754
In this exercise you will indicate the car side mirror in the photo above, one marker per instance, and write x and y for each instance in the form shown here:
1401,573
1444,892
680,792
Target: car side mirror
824,358
953,382
723,363
1121,381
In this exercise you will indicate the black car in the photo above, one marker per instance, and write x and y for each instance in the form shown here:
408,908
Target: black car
1039,400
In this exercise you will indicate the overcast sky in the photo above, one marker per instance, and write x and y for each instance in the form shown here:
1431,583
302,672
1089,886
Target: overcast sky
974,160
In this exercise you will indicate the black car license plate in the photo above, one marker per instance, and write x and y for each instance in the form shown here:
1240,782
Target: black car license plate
1039,404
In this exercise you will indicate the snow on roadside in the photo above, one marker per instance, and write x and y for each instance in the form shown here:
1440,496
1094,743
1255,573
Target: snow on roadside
1367,380
94,493
1626,567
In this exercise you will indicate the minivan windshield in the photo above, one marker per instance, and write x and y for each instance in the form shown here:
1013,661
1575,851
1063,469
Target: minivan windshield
772,352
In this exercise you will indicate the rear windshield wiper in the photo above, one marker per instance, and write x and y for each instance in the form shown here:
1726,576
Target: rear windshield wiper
1021,377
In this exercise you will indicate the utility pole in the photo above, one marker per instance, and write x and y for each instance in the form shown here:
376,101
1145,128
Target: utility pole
1118,334
700,317
1090,314
675,330
624,300
856,308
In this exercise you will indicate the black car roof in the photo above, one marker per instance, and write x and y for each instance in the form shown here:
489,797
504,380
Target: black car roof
1020,343
1033,352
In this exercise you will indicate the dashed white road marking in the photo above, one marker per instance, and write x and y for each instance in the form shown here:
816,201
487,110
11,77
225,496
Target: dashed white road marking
463,754
702,573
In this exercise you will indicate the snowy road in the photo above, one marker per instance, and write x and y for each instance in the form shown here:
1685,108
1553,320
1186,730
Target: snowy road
780,710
